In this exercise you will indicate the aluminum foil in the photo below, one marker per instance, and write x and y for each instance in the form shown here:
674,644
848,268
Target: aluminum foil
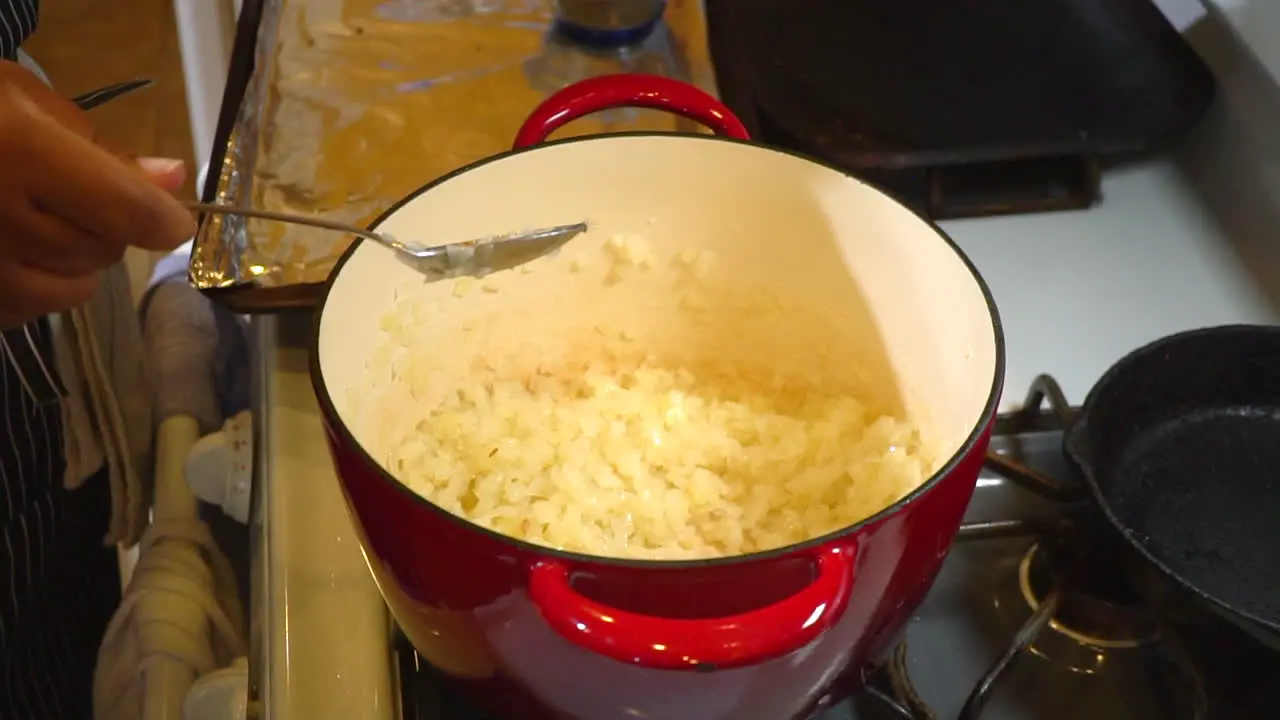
356,103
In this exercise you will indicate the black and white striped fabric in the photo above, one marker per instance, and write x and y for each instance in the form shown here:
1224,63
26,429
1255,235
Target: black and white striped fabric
36,372
58,584
18,19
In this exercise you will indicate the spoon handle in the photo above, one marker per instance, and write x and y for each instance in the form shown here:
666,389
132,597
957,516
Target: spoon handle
287,218
472,257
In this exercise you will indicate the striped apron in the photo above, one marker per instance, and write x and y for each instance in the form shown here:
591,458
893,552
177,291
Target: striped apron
18,19
59,584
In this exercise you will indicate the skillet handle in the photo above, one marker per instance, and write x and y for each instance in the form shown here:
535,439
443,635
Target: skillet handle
701,644
627,90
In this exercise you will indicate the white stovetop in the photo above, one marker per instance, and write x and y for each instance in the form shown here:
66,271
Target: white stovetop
1258,24
1076,291
326,630
1177,243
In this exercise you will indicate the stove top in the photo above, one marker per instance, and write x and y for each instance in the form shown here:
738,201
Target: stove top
1006,633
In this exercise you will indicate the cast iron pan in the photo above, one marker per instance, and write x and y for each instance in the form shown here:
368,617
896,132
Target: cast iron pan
1180,444
942,82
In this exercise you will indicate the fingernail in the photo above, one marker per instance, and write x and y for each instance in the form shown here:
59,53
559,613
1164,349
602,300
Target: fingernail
160,165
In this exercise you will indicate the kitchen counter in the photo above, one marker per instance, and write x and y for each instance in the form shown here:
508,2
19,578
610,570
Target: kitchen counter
1178,242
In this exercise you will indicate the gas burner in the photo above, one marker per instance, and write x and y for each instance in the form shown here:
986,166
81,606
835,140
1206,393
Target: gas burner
1067,605
1097,610
1070,619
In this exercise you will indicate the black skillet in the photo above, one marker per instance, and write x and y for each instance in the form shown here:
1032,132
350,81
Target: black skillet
1179,443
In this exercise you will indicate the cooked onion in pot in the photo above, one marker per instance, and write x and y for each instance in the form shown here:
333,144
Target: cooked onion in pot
619,454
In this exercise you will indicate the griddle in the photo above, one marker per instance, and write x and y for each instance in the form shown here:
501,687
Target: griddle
962,107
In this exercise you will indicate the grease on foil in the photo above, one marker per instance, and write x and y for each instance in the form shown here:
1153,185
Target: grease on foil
360,102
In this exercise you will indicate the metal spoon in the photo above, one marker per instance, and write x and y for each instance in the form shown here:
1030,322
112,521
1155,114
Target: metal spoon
476,257
473,257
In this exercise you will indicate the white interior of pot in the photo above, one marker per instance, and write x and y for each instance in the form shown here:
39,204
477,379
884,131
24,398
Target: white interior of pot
805,271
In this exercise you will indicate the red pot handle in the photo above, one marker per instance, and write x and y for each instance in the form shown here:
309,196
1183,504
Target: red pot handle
627,90
672,644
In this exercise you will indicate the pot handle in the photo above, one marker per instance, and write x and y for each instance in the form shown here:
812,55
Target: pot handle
697,644
627,90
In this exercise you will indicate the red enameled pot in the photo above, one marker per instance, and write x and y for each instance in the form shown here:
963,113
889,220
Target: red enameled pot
880,295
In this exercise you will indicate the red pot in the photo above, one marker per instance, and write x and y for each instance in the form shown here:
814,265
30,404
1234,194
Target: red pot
539,633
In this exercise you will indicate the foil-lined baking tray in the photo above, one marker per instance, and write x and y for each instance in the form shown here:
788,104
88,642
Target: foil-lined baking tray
352,104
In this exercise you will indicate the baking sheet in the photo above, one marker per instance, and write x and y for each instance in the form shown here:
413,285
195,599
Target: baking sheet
355,103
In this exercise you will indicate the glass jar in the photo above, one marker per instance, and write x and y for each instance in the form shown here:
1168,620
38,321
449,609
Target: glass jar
607,23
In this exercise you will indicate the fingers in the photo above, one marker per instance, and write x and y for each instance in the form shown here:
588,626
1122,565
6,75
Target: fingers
45,242
68,206
60,108
165,173
68,176
36,293
101,194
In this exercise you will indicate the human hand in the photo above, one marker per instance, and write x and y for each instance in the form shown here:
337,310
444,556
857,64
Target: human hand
68,207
